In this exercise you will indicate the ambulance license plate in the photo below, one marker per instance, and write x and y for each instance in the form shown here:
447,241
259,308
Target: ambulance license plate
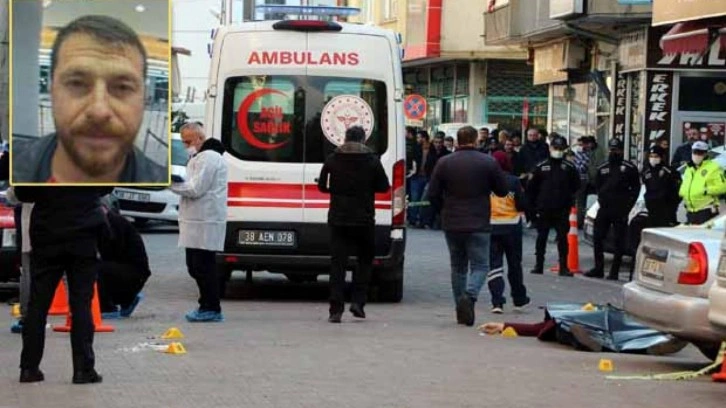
267,238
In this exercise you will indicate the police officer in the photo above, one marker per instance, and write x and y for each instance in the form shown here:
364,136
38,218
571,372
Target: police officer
703,183
551,192
661,189
617,183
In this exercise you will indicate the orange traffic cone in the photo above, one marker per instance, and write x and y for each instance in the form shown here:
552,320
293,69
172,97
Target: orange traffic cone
721,377
59,306
99,327
573,252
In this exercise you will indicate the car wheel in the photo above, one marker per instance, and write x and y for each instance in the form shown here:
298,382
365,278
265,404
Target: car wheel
391,290
710,350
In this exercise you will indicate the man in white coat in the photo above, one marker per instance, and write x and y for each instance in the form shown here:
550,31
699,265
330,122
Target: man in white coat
203,217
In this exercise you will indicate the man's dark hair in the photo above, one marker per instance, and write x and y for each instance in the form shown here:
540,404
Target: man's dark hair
104,29
440,134
410,130
355,134
424,134
467,135
542,133
484,128
449,138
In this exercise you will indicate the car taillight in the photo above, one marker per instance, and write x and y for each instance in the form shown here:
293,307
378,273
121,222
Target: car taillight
696,272
7,218
307,25
399,194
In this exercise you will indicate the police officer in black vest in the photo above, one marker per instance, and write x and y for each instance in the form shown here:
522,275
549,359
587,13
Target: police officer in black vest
551,192
617,183
661,189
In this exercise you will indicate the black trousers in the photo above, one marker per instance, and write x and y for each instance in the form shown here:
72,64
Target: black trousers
560,221
603,222
202,267
700,217
118,284
78,260
344,242
506,240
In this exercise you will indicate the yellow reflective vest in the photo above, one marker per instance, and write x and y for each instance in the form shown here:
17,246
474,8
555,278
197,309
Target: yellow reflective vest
702,186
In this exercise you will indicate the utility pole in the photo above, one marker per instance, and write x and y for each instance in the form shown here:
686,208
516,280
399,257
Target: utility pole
249,10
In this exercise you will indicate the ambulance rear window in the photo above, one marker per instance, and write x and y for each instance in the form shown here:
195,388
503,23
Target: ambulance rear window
296,119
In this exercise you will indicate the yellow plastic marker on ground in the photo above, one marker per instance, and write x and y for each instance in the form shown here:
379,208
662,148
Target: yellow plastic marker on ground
509,332
15,310
589,307
175,348
173,333
605,365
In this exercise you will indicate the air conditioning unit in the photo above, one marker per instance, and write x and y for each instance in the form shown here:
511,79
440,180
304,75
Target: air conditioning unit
564,9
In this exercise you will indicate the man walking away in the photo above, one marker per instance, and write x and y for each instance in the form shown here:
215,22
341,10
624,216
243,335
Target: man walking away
462,184
703,183
352,175
64,231
552,191
506,222
203,217
124,267
618,186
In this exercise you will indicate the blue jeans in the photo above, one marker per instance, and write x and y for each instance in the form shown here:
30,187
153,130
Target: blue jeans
469,253
417,185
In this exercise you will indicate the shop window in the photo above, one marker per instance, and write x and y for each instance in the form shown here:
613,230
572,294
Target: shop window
702,94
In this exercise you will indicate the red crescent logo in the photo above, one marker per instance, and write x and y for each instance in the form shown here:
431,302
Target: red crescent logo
243,123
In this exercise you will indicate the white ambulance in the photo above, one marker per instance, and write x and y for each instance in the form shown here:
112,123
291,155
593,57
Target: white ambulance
280,97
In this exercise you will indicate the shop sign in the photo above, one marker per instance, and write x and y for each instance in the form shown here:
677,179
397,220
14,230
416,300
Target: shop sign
659,97
621,97
713,57
674,11
549,64
631,51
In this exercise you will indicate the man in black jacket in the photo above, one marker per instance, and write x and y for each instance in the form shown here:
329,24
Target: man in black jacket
463,182
533,152
618,185
352,175
64,231
552,191
124,267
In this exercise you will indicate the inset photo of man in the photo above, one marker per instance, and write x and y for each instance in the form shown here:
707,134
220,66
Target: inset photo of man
92,107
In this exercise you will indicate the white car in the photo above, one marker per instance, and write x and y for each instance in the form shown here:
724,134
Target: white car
154,203
639,210
674,270
717,295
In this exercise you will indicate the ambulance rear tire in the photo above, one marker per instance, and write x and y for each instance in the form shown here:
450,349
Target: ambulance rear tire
391,290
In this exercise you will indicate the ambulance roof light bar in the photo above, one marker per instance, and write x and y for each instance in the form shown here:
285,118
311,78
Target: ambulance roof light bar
325,11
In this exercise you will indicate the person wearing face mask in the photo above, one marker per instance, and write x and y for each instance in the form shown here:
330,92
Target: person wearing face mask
617,183
703,183
661,189
203,217
551,192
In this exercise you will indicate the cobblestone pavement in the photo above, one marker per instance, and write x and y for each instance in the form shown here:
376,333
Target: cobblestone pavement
276,349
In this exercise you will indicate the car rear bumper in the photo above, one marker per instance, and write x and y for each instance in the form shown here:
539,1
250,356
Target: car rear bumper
683,316
717,305
162,205
312,254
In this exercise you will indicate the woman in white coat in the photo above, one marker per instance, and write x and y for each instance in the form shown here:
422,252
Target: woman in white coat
203,217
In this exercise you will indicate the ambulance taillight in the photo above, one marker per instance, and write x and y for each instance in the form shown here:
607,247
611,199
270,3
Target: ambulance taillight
399,194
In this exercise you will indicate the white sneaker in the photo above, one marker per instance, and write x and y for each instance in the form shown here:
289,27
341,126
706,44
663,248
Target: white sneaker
497,310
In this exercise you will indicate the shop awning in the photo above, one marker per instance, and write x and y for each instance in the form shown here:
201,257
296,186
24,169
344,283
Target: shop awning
685,38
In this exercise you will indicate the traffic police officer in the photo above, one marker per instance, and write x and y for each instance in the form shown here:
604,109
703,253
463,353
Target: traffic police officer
661,189
703,183
551,192
617,183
